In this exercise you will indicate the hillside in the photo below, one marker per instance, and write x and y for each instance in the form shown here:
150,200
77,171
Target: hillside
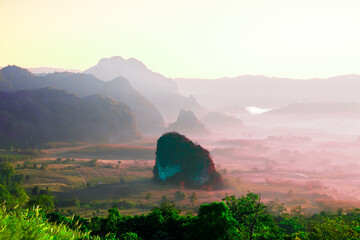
148,119
34,117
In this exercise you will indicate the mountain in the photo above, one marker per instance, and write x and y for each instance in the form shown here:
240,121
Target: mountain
218,120
188,123
33,117
47,70
269,92
4,83
148,119
318,110
159,90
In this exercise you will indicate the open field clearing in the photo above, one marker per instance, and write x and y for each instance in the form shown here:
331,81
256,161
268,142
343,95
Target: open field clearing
317,175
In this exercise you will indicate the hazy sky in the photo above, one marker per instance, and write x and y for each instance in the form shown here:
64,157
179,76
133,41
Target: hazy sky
186,38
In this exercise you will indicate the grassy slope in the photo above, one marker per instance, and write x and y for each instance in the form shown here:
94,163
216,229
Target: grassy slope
29,224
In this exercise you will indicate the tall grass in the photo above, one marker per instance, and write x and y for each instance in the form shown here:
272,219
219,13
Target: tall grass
30,224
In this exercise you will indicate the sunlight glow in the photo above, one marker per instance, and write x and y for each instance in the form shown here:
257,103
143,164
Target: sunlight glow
203,39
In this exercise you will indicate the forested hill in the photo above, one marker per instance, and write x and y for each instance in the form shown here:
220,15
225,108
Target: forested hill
148,118
33,117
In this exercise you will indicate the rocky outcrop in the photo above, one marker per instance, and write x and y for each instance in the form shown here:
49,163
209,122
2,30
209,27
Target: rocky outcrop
178,159
188,123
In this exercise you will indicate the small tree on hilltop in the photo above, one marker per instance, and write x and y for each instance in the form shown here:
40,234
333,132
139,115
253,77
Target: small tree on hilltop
193,198
147,196
164,199
179,196
93,162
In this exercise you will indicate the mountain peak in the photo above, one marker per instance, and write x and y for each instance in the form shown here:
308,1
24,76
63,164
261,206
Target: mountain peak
119,61
112,59
188,123
13,69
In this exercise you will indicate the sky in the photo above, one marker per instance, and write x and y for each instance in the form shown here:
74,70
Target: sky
187,38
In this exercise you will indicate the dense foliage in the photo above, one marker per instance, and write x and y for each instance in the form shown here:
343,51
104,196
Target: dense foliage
216,220
245,217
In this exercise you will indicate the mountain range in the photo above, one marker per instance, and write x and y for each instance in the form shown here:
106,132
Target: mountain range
148,118
269,92
317,110
159,90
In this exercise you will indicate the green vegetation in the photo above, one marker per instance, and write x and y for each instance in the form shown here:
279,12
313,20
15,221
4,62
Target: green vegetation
13,155
245,217
242,217
32,224
108,151
10,190
179,195
250,221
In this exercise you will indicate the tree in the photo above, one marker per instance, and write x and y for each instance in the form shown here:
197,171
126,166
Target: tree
164,199
193,198
129,236
334,229
247,210
6,172
214,221
4,194
147,196
44,166
93,162
18,196
35,190
45,202
276,208
179,196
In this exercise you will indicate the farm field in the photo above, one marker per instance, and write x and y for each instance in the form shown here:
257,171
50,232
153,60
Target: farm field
290,170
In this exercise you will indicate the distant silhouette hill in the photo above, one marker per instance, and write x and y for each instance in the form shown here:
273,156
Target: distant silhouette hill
47,70
221,120
178,160
188,123
313,110
159,90
269,92
33,117
148,119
